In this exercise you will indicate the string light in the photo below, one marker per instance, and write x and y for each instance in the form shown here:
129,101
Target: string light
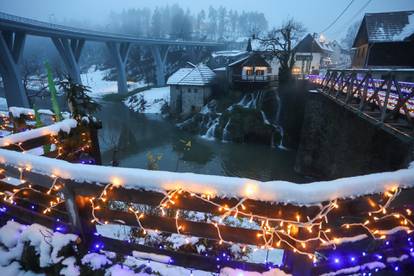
278,231
273,232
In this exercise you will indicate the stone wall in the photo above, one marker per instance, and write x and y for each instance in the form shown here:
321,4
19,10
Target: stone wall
193,98
337,143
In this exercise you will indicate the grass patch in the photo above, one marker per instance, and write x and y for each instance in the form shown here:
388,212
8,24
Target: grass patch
115,97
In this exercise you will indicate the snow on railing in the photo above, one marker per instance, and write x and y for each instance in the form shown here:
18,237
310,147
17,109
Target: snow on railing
18,111
51,130
221,186
268,224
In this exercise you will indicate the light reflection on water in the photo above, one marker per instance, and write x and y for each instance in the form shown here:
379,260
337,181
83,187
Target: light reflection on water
137,134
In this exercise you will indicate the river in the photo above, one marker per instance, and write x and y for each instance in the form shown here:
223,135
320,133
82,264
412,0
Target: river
136,135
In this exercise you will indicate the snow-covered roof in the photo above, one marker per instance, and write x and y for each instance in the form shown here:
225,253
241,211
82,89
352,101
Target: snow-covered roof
199,75
230,53
324,46
238,61
220,69
387,27
310,44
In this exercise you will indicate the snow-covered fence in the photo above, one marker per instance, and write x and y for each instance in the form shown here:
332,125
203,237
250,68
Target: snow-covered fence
67,139
222,212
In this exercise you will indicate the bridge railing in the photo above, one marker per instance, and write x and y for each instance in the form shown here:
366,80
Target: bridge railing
383,95
213,213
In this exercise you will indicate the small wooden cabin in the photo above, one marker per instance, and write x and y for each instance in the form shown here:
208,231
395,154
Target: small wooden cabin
385,40
252,69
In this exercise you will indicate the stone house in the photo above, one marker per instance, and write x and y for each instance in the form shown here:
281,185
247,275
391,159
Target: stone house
190,88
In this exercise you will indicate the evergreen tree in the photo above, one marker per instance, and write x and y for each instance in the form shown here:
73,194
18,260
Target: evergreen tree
79,102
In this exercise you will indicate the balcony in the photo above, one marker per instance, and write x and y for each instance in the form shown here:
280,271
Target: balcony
254,78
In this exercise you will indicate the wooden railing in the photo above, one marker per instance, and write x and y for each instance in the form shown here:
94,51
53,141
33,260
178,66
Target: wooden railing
255,78
380,96
66,145
305,219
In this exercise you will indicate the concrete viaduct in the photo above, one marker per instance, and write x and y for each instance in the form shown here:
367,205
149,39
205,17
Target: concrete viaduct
69,42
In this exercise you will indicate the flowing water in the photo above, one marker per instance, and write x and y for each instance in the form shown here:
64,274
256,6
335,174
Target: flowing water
135,135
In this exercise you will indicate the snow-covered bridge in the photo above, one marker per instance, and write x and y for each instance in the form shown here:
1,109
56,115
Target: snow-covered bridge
69,42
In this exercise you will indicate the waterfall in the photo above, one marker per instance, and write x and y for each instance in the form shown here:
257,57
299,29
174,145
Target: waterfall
211,130
279,125
226,132
276,125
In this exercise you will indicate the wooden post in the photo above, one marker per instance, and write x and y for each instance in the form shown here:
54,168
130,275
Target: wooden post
365,92
19,124
79,211
95,151
387,96
72,209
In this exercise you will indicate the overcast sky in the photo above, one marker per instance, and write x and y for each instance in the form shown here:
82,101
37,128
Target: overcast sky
315,14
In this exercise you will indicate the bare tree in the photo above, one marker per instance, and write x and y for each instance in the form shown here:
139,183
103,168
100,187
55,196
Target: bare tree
34,79
280,42
351,33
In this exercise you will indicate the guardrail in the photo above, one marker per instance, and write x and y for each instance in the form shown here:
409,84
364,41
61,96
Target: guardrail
308,221
380,95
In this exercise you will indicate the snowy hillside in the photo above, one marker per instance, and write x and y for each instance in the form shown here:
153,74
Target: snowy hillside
149,101
95,80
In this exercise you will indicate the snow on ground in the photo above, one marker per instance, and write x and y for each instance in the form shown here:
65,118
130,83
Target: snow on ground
99,87
154,99
48,244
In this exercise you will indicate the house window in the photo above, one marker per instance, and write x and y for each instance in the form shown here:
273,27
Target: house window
195,90
189,90
259,72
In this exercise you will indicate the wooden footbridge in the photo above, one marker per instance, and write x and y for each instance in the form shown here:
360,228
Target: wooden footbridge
383,97
322,226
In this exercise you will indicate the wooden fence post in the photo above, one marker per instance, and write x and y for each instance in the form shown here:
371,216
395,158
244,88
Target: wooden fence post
79,213
95,151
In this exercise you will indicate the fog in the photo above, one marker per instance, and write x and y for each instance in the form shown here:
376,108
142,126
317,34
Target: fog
315,15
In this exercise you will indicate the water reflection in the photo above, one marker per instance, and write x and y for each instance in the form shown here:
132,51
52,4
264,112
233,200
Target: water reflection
134,135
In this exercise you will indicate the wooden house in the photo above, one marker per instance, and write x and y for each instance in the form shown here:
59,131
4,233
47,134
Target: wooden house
311,55
252,69
385,40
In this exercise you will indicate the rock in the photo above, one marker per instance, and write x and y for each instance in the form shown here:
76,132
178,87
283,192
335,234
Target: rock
243,125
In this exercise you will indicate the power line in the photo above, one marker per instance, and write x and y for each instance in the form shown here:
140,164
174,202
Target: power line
339,16
353,18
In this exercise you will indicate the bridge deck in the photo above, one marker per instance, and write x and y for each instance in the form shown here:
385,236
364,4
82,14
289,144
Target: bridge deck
40,28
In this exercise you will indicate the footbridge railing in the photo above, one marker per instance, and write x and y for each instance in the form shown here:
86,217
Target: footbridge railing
381,96
320,225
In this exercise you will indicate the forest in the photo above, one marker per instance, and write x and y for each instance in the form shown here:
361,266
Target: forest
172,21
